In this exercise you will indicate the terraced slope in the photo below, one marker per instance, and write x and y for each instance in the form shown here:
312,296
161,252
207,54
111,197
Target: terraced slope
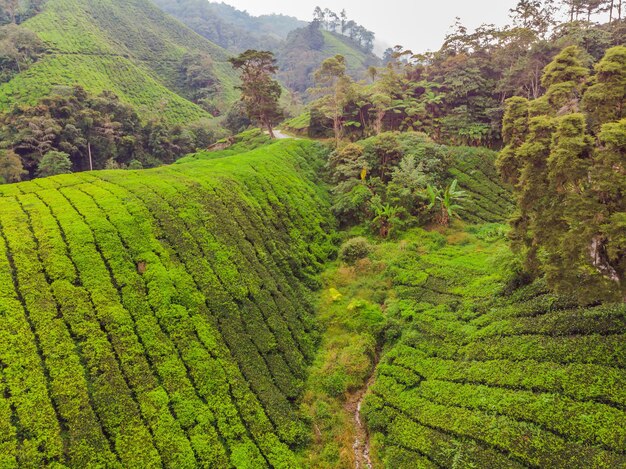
357,61
160,318
101,45
483,379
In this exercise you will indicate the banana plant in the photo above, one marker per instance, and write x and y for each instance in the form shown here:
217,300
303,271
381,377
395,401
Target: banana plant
387,216
447,201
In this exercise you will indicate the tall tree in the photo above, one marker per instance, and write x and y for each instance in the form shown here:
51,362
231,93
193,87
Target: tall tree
11,168
605,99
570,177
260,92
563,79
334,85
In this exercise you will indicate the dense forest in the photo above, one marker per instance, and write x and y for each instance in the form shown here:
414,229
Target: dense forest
238,241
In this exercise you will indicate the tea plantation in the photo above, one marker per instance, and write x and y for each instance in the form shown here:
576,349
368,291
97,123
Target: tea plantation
161,318
101,45
485,374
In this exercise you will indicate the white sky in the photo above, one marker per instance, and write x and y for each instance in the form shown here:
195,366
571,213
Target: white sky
419,25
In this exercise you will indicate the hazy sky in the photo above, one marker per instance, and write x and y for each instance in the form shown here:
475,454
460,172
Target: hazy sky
419,25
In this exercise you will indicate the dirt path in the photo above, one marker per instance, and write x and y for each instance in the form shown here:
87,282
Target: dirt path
280,136
361,446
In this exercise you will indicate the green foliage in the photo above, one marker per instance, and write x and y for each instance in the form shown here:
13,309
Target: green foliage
569,181
605,99
54,163
102,47
354,250
161,317
19,49
448,200
395,169
563,79
11,168
97,131
481,378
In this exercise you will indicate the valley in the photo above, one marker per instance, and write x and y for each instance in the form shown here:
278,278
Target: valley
239,241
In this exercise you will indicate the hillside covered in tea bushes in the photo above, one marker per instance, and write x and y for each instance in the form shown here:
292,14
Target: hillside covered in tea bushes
483,374
130,48
161,318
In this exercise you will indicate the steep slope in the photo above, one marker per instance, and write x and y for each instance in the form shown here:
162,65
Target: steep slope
102,45
300,47
305,50
230,28
488,377
160,318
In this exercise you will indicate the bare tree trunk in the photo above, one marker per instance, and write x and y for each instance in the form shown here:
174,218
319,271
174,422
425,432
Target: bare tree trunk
599,259
611,11
90,158
270,130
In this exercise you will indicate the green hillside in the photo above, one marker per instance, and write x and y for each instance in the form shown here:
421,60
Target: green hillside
160,318
232,29
486,376
101,45
357,61
306,48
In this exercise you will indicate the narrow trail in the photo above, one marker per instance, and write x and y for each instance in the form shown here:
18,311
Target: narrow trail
280,135
361,446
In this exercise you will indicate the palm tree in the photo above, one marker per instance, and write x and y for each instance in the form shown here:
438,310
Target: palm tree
386,218
447,200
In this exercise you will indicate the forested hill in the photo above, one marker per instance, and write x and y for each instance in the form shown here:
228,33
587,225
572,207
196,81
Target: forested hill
160,318
232,29
130,48
306,49
300,47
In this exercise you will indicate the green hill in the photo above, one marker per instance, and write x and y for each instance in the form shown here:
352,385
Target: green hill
306,48
165,318
229,27
489,376
160,318
102,45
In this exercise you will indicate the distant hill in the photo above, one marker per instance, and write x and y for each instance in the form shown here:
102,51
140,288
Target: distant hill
102,45
229,27
300,47
305,50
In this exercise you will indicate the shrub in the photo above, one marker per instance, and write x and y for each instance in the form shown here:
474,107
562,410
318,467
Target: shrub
354,250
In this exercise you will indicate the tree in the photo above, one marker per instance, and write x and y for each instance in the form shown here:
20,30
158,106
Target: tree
19,49
53,163
344,21
608,176
514,133
259,91
334,85
11,168
386,218
448,201
534,15
605,100
563,79
569,173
